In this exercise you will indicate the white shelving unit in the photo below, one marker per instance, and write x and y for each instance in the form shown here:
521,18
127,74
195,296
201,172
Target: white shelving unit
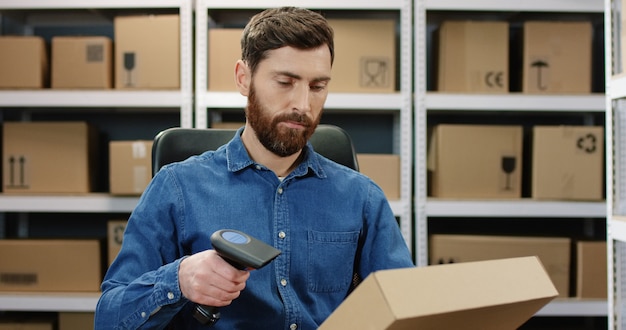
74,100
436,102
615,165
399,104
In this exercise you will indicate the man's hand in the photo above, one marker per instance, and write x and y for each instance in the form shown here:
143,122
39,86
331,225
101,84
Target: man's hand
207,279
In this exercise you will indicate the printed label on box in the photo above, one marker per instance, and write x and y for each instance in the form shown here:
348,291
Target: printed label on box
18,177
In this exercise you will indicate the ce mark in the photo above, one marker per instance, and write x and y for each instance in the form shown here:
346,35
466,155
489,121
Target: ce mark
494,79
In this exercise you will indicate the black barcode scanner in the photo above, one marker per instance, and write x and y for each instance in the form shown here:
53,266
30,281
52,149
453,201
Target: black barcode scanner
240,250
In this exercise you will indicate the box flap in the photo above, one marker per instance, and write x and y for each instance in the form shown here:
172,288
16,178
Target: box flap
494,294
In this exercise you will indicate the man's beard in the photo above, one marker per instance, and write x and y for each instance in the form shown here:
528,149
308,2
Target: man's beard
282,141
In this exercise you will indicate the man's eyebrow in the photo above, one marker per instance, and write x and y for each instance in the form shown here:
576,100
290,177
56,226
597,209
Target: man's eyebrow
298,77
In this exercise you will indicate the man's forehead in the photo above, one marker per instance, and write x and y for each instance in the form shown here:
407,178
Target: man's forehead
299,63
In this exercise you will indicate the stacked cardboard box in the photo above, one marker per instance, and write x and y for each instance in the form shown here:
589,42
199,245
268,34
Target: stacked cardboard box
591,270
49,157
147,52
473,57
554,252
115,237
23,62
82,62
39,265
384,169
475,161
365,56
557,57
224,51
130,166
568,162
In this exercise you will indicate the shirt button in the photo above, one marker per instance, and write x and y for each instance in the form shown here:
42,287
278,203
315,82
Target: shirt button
283,282
258,167
282,234
170,296
293,326
280,190
143,315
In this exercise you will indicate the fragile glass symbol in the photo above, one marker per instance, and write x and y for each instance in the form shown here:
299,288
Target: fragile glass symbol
508,166
375,71
129,65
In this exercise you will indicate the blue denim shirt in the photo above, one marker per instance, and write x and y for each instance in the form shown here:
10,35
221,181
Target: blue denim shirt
328,220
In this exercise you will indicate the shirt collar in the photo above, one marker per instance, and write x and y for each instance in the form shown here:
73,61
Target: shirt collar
238,158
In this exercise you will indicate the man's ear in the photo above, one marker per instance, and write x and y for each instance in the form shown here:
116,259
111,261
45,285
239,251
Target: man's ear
243,77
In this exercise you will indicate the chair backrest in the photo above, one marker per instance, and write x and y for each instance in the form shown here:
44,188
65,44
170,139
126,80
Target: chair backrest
176,144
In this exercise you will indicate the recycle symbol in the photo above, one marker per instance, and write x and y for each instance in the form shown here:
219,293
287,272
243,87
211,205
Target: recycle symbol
587,143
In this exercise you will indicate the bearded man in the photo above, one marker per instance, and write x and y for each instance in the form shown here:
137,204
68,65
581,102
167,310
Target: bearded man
328,221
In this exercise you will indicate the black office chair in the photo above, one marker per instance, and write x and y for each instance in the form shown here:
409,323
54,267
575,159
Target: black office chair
176,144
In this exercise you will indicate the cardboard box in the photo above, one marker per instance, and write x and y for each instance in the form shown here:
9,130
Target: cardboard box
557,57
76,321
130,166
147,52
568,162
554,252
27,321
224,51
365,56
26,325
487,295
228,125
23,62
591,270
48,157
115,237
473,57
384,170
50,265
82,62
475,161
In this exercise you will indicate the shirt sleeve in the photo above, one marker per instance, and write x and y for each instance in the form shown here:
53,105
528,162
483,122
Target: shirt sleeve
149,302
141,288
383,245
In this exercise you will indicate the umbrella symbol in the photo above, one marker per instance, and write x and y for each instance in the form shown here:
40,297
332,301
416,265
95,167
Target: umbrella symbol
539,64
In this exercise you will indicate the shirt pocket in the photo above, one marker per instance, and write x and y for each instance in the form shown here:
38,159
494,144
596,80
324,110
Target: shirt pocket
331,260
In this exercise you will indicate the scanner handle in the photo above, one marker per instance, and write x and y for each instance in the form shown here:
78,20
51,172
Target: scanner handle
240,250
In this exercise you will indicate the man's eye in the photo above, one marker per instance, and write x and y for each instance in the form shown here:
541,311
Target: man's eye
318,87
284,83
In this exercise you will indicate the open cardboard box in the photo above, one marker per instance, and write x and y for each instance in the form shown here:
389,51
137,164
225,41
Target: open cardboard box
496,294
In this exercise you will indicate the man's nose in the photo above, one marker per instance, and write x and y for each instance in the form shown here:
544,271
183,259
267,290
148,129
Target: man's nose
302,99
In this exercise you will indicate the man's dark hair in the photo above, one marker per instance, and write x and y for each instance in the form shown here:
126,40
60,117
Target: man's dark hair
287,26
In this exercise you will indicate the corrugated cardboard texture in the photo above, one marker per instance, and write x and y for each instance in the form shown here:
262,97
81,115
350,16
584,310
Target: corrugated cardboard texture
554,252
557,57
591,270
365,56
473,57
82,62
497,294
147,52
384,170
130,166
475,161
50,265
224,51
23,62
48,157
568,162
